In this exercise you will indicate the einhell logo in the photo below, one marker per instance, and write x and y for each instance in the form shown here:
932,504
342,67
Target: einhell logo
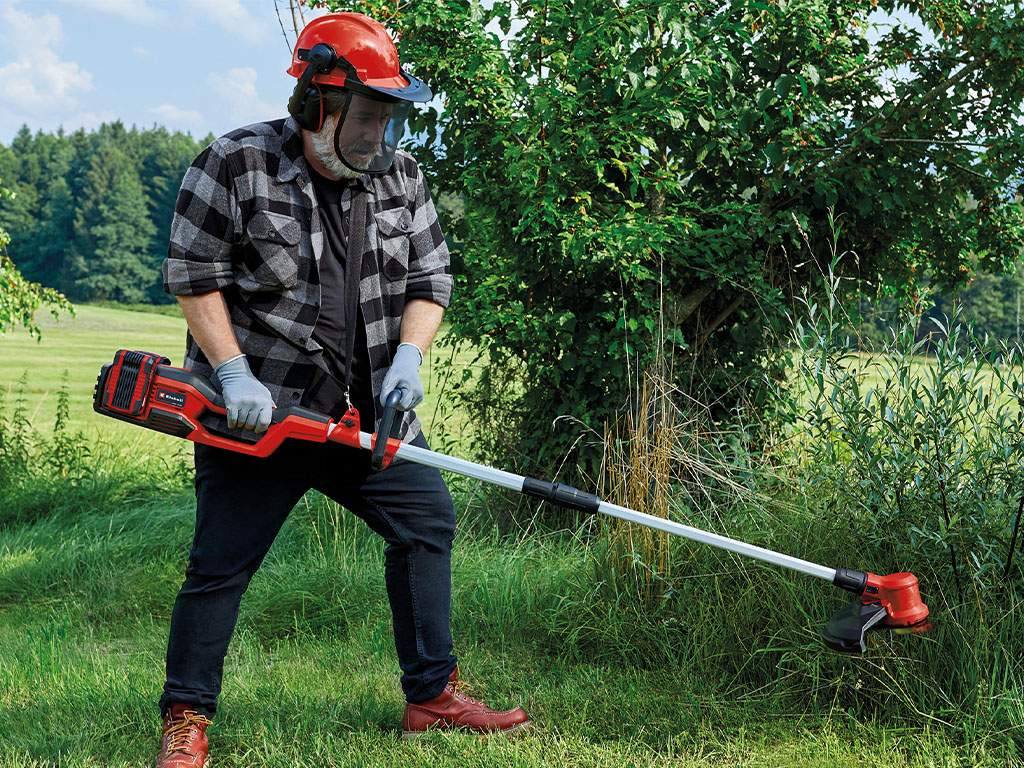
177,399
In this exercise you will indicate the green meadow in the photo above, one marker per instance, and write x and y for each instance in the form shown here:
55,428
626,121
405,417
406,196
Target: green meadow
728,671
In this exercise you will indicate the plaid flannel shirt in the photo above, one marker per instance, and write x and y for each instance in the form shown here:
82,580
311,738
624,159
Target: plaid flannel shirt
246,223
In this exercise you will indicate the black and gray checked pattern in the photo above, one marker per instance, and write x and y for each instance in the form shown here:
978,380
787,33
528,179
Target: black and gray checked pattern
246,223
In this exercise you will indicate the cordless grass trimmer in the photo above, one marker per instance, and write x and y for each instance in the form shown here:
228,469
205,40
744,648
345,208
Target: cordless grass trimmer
144,389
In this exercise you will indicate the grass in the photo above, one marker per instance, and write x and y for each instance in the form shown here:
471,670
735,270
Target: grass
311,678
727,671
876,369
80,345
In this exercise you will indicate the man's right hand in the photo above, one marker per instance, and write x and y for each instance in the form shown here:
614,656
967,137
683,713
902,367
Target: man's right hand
249,404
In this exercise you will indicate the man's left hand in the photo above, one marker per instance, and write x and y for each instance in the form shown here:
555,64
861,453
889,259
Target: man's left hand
404,373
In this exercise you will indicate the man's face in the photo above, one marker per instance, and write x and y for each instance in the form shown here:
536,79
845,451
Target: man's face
363,130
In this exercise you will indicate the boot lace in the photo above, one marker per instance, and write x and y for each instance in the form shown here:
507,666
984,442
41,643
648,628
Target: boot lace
180,730
461,688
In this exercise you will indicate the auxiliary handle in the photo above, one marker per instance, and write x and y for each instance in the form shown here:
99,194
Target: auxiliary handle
384,429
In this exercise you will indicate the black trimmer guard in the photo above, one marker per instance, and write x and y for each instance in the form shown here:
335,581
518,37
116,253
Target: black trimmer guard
848,628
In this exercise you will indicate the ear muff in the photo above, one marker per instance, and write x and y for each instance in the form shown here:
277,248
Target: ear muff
307,108
306,102
316,105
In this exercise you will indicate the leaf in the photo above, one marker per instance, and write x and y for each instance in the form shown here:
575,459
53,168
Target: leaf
782,85
774,153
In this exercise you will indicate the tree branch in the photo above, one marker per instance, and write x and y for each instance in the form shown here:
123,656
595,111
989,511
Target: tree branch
720,318
691,301
284,34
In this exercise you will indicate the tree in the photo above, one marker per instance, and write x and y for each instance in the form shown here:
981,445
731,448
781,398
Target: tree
18,212
54,175
56,230
164,159
34,164
651,182
113,232
993,304
20,298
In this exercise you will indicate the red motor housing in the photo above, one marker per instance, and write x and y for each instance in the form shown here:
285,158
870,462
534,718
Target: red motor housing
141,388
899,595
886,602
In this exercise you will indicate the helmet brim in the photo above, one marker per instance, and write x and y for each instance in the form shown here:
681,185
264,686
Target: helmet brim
416,90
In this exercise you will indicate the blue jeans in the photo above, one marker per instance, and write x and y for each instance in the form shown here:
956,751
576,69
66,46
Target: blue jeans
242,502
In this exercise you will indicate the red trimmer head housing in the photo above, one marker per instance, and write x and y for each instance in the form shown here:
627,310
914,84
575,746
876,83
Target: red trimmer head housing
886,602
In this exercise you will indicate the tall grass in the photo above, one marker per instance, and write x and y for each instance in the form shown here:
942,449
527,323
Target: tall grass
910,459
922,457
636,472
62,471
95,537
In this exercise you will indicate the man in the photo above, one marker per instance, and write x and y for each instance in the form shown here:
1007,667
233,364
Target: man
308,261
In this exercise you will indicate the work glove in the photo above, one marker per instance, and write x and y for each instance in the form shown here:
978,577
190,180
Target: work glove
249,404
404,374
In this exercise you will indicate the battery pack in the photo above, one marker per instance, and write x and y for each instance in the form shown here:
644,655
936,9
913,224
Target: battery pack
126,386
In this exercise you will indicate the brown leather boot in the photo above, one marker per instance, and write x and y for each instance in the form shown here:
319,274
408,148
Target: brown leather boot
184,743
452,709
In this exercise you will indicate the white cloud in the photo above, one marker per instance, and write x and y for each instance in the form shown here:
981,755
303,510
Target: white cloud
137,11
236,90
232,16
25,33
173,116
142,53
38,83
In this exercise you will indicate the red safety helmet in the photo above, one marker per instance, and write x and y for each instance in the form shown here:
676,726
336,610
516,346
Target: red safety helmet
345,60
353,51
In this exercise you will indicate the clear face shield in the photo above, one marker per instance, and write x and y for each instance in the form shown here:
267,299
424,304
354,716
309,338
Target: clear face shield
368,130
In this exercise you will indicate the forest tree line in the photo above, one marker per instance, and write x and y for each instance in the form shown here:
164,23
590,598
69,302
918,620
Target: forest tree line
91,213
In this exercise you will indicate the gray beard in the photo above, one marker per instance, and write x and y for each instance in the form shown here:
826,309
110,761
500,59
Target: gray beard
323,148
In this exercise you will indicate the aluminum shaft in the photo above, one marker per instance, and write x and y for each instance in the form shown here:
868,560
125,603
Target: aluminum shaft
515,482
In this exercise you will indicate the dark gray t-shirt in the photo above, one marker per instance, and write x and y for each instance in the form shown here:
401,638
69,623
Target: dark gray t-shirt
330,325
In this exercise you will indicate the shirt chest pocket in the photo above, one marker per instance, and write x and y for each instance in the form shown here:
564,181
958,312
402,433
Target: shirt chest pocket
393,229
271,260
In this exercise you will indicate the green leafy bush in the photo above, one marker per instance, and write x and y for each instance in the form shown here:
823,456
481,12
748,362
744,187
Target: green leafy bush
639,177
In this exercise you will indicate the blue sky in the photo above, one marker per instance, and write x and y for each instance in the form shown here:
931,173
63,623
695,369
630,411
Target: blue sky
193,65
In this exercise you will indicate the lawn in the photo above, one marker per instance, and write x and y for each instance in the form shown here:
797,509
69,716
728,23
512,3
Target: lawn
89,570
311,679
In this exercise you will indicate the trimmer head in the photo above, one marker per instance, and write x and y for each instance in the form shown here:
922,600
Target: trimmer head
887,602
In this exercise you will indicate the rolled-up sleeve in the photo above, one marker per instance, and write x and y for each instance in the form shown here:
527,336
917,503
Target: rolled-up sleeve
205,228
430,274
